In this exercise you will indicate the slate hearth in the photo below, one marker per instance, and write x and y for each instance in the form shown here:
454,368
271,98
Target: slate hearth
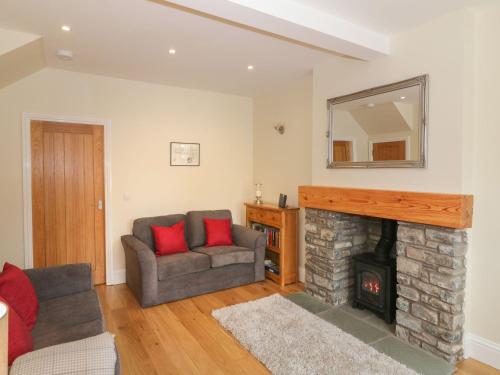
430,274
373,331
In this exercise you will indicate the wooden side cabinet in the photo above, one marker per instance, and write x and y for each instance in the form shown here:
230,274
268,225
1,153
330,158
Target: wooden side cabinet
280,226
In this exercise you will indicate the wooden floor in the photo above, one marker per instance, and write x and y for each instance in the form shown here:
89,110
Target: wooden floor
471,366
182,337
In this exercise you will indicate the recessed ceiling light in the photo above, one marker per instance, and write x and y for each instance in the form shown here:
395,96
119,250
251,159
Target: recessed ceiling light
403,97
64,54
172,51
371,105
65,28
250,67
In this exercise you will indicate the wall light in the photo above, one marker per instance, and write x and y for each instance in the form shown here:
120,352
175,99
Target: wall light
280,128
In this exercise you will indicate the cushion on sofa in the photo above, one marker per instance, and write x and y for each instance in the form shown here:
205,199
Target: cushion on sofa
91,356
224,255
68,318
169,240
142,227
19,293
181,264
195,227
218,232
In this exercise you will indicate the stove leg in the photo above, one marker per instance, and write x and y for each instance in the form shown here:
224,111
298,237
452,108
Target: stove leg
356,305
388,318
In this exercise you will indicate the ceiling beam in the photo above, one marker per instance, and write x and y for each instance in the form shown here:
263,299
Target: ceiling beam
294,22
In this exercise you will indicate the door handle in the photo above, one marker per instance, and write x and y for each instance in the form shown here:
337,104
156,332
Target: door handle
99,204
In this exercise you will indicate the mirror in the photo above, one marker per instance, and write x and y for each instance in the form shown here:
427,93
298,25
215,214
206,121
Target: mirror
381,127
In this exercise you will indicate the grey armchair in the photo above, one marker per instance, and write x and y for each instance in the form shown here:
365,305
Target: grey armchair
155,280
69,312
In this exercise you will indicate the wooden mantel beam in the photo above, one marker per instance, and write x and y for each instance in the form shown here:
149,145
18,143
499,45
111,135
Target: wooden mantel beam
445,210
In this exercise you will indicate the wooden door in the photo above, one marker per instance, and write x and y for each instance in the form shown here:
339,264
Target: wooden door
342,150
395,150
67,171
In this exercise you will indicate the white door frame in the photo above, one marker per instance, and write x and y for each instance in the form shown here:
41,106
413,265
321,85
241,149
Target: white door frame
27,203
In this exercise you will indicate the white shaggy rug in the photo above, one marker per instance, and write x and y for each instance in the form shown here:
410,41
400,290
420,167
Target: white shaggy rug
290,340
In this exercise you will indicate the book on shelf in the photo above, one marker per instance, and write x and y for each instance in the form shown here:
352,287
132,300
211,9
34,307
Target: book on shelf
272,234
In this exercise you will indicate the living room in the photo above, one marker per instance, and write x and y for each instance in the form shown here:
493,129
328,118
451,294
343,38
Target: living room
249,90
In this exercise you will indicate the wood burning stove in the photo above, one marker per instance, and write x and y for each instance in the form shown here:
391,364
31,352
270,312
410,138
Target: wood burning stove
375,275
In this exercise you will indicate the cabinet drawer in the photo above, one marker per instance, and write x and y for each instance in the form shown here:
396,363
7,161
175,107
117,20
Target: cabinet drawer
264,216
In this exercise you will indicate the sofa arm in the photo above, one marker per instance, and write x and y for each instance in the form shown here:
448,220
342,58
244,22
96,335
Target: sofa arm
254,240
246,237
92,355
59,281
141,270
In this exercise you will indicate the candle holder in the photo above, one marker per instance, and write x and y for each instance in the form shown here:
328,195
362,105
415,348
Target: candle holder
258,194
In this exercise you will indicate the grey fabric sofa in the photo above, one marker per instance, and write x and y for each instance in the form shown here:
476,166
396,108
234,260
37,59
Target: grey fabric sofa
69,306
156,280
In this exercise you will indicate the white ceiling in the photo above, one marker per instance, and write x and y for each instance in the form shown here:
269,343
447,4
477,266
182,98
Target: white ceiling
130,39
389,16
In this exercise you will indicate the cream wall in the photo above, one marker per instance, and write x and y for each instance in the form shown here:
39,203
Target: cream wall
145,118
484,258
283,162
436,48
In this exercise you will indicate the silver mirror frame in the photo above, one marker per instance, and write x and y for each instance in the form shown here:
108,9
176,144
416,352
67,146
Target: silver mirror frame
423,83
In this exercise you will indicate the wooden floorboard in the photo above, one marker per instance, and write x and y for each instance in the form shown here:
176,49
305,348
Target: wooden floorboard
473,367
182,337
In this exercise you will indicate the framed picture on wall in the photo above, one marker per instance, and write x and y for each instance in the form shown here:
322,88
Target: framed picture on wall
184,154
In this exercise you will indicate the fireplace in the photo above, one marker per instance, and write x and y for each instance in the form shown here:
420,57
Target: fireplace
375,275
343,228
430,274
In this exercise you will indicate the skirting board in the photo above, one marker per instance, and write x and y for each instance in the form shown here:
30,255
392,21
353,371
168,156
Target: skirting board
483,350
302,274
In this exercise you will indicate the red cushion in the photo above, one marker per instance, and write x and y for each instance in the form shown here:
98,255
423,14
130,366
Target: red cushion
20,340
218,232
169,240
17,290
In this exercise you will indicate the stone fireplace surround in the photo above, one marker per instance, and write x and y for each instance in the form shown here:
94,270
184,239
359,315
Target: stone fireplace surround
430,273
